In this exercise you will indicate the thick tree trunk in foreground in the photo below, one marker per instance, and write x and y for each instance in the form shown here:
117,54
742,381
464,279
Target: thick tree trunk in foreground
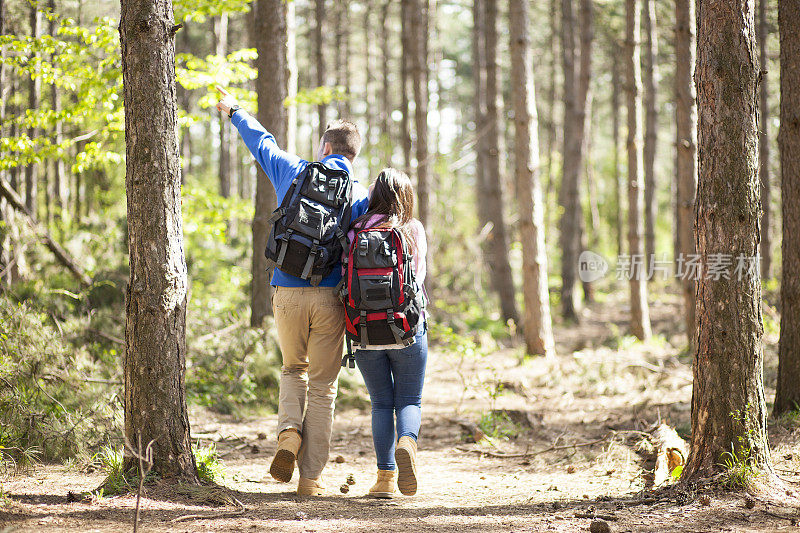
640,314
155,329
499,265
685,150
763,142
570,223
787,396
271,88
728,407
537,325
651,127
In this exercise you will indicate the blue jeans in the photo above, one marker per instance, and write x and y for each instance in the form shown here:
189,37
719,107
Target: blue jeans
394,380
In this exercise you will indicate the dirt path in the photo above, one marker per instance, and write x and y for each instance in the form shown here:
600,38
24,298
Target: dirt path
598,393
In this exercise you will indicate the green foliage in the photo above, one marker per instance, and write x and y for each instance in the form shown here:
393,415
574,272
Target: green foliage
739,463
84,63
210,468
46,401
110,460
200,10
739,468
497,424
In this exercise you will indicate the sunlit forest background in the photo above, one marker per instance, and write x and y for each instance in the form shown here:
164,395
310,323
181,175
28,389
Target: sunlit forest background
62,147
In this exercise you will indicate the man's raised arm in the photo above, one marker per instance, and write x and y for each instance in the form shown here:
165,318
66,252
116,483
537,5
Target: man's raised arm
279,165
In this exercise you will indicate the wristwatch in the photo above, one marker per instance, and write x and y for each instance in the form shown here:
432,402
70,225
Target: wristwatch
233,110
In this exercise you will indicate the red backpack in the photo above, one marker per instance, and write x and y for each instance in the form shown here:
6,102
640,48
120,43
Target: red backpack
381,301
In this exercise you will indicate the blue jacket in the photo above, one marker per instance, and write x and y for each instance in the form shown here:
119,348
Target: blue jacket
281,169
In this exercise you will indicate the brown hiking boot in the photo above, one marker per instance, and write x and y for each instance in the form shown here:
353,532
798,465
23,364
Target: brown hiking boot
405,456
310,487
385,487
282,467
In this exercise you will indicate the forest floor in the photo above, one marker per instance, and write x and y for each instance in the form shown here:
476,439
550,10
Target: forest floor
599,393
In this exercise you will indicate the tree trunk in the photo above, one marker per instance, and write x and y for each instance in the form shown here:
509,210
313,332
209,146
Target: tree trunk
570,223
291,65
405,66
419,67
479,116
537,325
342,55
369,100
499,266
271,88
615,105
220,32
583,118
155,329
58,163
763,143
787,397
729,413
651,127
385,137
34,88
319,19
5,242
640,315
686,150
551,108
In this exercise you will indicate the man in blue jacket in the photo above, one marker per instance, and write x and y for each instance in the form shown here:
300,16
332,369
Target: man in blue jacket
309,320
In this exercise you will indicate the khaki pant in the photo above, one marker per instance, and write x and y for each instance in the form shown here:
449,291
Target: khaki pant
310,322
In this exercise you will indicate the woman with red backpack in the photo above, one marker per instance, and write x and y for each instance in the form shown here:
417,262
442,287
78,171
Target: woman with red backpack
385,319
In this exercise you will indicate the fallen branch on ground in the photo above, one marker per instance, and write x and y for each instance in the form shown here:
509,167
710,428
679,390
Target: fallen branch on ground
226,514
532,454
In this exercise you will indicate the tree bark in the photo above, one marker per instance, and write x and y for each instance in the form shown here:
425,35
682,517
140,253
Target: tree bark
763,143
499,265
537,326
385,137
640,315
5,244
479,116
615,107
58,163
586,18
369,100
685,150
271,88
419,81
728,408
570,222
405,80
292,81
651,127
34,88
551,107
319,20
155,330
787,397
220,32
